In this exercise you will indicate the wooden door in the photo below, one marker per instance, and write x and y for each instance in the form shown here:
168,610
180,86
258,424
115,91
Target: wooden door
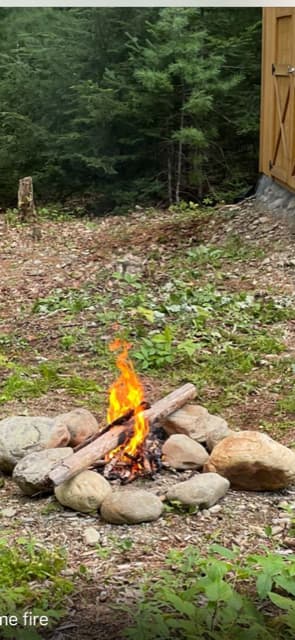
282,160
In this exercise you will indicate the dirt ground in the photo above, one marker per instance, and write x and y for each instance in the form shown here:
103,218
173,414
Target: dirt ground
71,254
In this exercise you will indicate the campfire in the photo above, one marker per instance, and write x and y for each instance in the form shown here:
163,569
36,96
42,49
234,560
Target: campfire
128,446
126,401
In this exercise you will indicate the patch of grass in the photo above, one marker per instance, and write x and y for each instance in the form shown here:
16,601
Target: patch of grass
31,579
67,341
178,316
234,250
287,404
35,381
277,426
51,507
79,386
70,301
56,213
218,596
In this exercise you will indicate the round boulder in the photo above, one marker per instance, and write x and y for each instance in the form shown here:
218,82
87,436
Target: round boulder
131,507
181,452
80,423
31,473
202,490
196,422
85,492
20,435
254,461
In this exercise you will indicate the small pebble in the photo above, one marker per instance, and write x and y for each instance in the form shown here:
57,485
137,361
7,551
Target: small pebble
9,512
215,509
277,529
91,536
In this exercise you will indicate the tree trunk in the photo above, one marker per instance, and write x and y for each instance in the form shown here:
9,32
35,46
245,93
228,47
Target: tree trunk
26,204
179,156
169,175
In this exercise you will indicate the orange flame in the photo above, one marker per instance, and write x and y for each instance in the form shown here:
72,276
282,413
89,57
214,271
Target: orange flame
127,393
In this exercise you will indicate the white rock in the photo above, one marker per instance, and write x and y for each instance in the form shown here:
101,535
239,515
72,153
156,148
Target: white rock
8,512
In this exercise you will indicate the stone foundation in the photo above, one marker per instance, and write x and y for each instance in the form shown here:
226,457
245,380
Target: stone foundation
270,196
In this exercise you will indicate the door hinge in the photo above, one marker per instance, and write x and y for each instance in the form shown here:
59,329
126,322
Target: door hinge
270,165
273,69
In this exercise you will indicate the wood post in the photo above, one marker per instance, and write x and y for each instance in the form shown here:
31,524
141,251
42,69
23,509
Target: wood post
26,204
89,455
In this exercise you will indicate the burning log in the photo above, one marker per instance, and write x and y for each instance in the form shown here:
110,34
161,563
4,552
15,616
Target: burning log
116,436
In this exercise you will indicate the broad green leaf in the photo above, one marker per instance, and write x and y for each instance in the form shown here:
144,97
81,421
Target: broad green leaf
186,608
146,313
288,584
218,590
264,584
223,551
282,601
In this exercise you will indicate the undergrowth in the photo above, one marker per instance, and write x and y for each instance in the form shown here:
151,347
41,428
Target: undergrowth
31,580
218,597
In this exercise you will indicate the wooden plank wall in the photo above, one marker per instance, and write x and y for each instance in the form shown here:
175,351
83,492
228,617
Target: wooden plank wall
267,89
278,48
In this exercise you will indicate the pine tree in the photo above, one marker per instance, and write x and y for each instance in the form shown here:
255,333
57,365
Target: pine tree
129,104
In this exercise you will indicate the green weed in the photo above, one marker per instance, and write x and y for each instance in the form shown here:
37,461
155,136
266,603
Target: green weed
103,552
235,249
288,403
218,597
67,341
156,352
71,301
31,579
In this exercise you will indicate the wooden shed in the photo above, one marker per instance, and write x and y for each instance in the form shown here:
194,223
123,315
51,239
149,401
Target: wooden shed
277,131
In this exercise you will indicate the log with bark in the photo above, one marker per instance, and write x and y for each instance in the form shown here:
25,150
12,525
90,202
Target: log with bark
110,438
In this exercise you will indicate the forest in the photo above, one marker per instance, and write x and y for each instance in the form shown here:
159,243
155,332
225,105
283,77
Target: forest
118,106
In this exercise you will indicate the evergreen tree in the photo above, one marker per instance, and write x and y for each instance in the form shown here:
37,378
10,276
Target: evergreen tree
131,104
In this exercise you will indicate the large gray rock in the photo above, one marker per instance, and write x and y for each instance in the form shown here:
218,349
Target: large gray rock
80,423
202,490
131,506
20,435
31,473
85,492
197,423
252,460
181,452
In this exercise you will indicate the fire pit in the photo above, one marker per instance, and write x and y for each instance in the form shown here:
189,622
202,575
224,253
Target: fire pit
127,447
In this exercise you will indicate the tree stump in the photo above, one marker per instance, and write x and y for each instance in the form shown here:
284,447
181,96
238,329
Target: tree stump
26,206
